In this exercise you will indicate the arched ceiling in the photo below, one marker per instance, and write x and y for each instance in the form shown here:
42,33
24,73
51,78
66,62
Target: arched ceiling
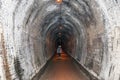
73,15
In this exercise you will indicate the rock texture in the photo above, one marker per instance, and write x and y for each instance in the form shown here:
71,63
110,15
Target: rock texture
30,30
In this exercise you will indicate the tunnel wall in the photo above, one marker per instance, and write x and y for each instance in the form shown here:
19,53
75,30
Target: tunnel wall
103,41
21,45
112,25
22,55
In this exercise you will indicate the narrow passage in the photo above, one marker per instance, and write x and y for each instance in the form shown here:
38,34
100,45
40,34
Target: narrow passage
63,68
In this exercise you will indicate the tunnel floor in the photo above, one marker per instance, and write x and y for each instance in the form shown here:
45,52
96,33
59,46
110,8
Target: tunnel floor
63,68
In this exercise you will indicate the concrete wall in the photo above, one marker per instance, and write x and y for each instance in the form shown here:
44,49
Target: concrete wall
23,46
24,25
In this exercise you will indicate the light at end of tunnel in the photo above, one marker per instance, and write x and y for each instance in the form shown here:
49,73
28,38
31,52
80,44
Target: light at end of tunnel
59,1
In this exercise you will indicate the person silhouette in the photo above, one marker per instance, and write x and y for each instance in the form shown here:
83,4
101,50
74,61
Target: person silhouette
59,50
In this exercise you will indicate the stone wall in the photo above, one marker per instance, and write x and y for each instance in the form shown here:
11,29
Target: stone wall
24,53
25,26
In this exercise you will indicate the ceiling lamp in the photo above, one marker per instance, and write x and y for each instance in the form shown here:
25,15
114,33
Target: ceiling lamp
59,1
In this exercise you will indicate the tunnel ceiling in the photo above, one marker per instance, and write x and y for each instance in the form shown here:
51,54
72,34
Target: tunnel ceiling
68,21
72,15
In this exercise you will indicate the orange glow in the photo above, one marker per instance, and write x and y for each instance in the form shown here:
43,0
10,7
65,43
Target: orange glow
59,1
64,57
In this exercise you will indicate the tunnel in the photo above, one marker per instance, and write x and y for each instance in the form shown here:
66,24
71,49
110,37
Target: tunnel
88,32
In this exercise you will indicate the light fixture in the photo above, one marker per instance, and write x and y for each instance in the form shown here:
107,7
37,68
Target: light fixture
59,1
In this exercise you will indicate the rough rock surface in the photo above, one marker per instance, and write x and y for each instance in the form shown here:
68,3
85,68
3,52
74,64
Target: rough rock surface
29,30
